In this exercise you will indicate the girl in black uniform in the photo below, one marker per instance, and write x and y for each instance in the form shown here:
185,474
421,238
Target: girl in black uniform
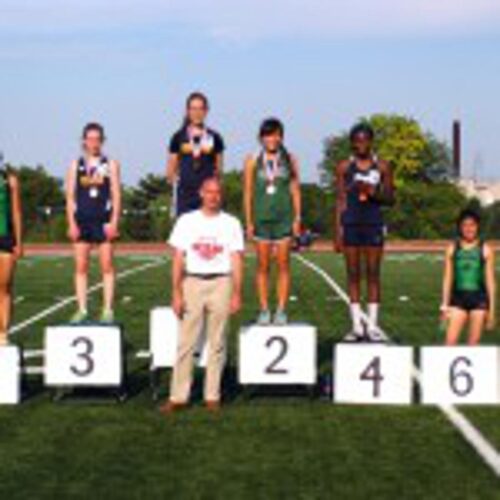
363,184
93,207
11,247
196,154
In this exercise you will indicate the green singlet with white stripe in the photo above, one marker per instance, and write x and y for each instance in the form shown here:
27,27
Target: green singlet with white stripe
468,266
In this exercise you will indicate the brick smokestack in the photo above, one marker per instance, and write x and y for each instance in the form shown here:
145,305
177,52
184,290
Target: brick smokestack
457,148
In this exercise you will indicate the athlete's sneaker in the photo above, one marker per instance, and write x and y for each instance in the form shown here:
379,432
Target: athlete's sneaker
354,336
376,335
107,316
280,318
78,317
264,318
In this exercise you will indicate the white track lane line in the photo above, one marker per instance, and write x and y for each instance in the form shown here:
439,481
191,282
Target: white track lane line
68,300
484,448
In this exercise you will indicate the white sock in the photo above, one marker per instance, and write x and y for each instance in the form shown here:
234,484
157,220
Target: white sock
357,323
373,309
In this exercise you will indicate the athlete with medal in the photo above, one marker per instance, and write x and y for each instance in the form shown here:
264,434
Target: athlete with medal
363,183
93,206
272,203
195,154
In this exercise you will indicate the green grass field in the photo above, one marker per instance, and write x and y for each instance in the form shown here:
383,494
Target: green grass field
281,446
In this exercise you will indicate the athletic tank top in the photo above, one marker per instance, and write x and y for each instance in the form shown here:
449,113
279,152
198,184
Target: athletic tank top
93,191
272,201
197,159
5,205
468,268
358,212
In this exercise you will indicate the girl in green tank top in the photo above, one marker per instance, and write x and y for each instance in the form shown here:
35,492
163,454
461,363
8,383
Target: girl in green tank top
10,244
272,212
469,283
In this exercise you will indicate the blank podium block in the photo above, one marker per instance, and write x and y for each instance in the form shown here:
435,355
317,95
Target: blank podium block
163,339
372,374
10,375
83,356
278,355
460,375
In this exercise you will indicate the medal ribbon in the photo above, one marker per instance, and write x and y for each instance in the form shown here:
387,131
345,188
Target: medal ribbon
272,167
196,139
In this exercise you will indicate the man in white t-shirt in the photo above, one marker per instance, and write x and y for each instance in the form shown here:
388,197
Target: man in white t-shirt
207,273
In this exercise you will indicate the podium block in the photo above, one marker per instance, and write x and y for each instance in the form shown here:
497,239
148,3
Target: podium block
278,355
83,356
460,375
10,375
372,374
163,339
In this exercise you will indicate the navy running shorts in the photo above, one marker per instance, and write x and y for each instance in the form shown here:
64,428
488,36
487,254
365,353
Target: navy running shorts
363,235
92,232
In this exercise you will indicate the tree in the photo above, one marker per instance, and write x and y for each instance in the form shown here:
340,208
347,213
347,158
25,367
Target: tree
425,210
146,209
233,193
43,203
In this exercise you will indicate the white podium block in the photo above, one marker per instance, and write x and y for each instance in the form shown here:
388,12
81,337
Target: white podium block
460,375
163,339
372,374
10,375
83,356
278,355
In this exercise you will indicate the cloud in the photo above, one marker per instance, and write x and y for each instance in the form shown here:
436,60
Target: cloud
254,19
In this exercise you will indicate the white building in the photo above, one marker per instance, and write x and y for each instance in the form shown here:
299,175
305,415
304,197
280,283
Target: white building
486,192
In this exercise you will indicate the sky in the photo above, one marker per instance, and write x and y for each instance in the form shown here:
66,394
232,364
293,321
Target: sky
317,64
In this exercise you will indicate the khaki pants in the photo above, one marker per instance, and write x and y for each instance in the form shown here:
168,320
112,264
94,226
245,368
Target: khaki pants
205,301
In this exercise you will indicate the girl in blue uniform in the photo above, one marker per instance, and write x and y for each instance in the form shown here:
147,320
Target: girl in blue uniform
93,207
363,184
196,154
11,247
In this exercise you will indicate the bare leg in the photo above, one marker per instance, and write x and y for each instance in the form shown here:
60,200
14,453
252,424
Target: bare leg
458,318
284,278
353,263
373,261
476,325
108,274
263,268
7,265
82,256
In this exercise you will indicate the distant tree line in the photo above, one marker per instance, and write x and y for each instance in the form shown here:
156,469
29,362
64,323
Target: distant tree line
427,200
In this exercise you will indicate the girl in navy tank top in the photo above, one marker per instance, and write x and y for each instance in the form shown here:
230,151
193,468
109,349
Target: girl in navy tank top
93,207
195,154
363,184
